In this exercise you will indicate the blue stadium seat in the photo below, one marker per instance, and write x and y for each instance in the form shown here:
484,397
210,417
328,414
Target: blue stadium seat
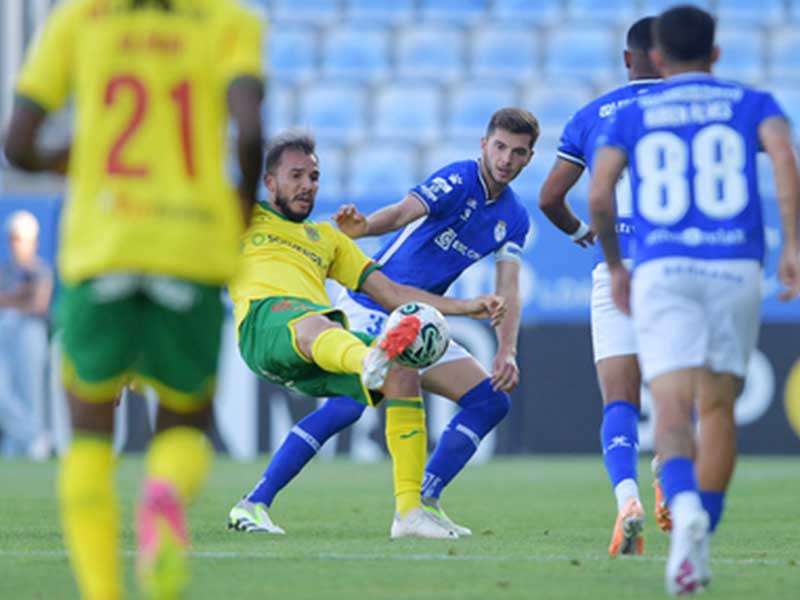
409,111
785,54
619,12
766,177
541,12
588,52
335,111
554,103
763,12
278,108
382,170
788,96
431,52
389,13
741,54
356,53
442,153
656,7
292,53
318,12
504,51
454,11
470,106
332,173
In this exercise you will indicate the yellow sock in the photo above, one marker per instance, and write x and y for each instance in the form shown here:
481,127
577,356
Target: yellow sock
182,456
407,440
339,351
90,517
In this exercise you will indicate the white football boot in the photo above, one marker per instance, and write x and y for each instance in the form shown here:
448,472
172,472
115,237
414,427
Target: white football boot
393,342
685,564
422,524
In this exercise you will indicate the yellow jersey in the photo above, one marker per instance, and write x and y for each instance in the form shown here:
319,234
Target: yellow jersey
147,187
284,258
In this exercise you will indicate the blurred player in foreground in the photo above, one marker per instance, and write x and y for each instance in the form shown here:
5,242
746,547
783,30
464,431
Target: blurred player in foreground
690,144
613,338
461,213
291,335
149,235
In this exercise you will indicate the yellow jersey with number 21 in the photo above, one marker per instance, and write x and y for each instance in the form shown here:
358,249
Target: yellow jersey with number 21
147,189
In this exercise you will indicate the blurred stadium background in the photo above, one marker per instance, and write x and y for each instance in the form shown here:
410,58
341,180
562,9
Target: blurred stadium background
394,89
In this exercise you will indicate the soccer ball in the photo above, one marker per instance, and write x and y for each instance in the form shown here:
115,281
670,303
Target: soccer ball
432,339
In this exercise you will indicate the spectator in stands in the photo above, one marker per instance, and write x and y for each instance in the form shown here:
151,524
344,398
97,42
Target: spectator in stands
26,287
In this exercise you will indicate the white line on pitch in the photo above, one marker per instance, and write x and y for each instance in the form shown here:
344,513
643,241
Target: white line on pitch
208,554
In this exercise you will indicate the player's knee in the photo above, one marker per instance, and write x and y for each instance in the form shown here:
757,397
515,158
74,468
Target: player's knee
342,411
498,403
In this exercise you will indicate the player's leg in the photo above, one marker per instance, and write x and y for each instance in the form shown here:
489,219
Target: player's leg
182,333
734,324
620,382
617,367
301,445
99,346
460,378
407,440
673,334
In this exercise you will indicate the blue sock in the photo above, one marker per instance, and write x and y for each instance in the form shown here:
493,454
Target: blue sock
619,435
481,410
303,442
677,475
714,504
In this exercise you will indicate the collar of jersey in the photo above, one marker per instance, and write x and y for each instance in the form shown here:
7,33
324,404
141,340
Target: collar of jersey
645,81
266,206
690,75
486,199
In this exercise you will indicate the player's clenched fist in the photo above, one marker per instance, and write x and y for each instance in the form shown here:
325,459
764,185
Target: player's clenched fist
487,307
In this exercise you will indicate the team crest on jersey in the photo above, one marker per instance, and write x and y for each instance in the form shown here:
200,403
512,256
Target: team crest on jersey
500,231
312,233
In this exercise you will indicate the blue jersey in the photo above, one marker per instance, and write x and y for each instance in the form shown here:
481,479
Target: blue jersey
691,144
461,226
579,140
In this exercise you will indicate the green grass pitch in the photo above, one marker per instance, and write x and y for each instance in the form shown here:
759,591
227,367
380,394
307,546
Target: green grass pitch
541,524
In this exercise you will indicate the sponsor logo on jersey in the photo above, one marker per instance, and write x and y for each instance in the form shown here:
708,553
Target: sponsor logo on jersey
500,231
448,239
312,233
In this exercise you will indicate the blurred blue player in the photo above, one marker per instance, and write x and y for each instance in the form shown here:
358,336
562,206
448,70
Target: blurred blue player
613,339
690,144
460,214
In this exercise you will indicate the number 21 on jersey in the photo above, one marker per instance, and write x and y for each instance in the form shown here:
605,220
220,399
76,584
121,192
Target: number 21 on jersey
180,94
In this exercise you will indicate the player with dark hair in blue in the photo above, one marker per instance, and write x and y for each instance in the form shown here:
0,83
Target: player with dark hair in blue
690,145
461,213
613,339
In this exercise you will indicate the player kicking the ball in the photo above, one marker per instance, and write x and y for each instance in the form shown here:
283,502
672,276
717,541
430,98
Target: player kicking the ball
461,213
690,144
291,335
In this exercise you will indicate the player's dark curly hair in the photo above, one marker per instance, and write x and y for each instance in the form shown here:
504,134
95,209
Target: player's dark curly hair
291,139
685,34
514,120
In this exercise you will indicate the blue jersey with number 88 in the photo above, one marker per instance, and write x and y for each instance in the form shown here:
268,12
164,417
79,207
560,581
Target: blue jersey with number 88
691,144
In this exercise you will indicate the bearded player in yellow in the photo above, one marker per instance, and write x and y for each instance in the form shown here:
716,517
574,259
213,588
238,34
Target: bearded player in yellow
291,335
149,236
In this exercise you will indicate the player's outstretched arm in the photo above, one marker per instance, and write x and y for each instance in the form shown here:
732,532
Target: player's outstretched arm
391,294
553,202
244,105
21,147
775,136
355,224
